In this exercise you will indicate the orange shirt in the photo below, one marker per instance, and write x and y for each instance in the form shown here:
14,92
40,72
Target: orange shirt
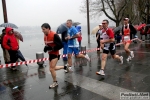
49,40
126,31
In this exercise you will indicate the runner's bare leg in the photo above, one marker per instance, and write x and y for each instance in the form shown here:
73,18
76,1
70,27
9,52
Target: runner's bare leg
69,60
103,61
52,64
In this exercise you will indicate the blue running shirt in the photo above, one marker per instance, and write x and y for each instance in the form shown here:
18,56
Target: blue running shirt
72,31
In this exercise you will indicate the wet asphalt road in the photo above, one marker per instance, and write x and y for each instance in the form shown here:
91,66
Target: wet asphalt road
83,84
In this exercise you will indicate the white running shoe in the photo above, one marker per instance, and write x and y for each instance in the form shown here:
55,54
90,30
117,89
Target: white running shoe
121,59
53,85
68,69
87,57
129,58
132,54
101,72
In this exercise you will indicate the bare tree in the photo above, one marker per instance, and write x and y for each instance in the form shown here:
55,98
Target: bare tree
111,8
131,11
143,8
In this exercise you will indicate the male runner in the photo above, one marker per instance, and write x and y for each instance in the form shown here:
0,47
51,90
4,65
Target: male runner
53,45
73,44
98,37
109,46
127,32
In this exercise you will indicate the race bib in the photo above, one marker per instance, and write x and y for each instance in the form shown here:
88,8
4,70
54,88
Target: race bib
126,38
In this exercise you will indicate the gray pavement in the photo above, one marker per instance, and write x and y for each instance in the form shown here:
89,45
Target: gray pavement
83,83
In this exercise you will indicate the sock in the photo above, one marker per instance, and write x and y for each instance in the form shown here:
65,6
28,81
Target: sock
70,67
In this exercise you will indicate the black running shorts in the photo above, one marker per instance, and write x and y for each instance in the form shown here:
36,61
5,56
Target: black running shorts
112,52
52,56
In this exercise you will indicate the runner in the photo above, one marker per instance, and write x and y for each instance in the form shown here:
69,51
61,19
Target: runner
127,32
53,45
109,46
98,37
73,45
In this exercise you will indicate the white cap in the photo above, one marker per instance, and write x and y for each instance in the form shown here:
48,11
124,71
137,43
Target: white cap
126,18
100,24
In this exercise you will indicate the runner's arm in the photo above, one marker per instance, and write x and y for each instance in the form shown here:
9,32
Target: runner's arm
58,43
97,36
75,36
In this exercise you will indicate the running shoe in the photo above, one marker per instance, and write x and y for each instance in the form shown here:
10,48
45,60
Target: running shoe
53,85
67,69
101,72
132,54
129,58
87,57
121,59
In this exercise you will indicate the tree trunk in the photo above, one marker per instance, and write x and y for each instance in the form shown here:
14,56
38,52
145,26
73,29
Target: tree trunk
147,21
117,23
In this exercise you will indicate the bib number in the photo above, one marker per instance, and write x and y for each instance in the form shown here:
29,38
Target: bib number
126,38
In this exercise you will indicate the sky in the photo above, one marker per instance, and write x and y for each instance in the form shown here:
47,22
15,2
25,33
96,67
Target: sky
37,12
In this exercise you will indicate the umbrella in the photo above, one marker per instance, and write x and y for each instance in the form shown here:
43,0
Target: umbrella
18,35
141,26
117,29
75,23
20,56
8,25
62,28
95,29
112,27
78,28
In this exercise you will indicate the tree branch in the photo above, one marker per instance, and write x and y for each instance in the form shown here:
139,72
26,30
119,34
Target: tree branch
106,12
122,8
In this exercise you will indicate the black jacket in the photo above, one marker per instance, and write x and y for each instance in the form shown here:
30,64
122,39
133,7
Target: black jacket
98,34
132,31
63,36
58,42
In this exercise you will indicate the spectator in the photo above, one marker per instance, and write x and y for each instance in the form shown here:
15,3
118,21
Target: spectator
148,32
118,37
142,32
5,52
65,45
80,39
80,35
10,43
98,35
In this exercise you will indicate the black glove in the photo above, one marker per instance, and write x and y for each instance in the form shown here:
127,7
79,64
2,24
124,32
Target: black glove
46,48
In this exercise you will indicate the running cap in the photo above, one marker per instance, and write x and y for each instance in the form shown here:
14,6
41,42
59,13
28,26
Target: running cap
100,24
126,18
